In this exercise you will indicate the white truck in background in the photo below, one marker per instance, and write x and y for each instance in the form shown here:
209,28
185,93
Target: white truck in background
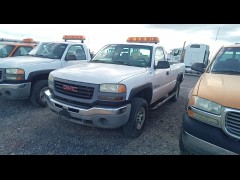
195,53
117,87
26,77
175,55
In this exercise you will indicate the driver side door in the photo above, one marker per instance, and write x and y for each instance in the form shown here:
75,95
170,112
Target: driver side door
75,54
161,77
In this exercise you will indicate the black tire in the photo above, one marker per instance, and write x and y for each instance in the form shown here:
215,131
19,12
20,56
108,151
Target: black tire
183,151
36,97
138,115
176,89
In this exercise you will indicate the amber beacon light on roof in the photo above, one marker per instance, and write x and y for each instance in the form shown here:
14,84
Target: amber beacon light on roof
74,37
143,40
27,40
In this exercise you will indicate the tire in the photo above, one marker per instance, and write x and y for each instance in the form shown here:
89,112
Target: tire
176,89
138,115
36,97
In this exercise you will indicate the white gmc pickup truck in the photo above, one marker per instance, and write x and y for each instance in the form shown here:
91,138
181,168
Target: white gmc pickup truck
117,87
26,77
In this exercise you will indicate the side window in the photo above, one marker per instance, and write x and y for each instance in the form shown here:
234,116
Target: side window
76,52
22,51
5,50
159,55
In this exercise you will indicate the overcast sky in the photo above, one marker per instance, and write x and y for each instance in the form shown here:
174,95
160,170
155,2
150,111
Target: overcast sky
171,35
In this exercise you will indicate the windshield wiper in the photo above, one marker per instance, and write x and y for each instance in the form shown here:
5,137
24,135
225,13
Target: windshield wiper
99,61
122,63
119,62
226,72
38,55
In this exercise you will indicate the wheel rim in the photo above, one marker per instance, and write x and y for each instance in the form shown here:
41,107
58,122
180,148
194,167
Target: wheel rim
140,118
42,94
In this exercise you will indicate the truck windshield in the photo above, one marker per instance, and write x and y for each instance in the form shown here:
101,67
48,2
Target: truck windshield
227,61
125,54
49,50
5,50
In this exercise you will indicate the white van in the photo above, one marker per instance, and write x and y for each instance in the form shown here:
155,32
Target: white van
196,53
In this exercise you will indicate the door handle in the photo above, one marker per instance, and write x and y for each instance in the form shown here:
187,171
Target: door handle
167,73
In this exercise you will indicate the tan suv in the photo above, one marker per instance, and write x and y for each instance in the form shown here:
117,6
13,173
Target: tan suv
11,48
211,123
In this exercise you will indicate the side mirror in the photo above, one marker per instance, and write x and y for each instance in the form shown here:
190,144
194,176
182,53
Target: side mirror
176,53
70,57
92,55
162,65
198,67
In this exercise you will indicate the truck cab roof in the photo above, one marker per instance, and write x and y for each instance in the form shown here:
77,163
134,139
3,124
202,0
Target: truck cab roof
138,44
63,42
10,48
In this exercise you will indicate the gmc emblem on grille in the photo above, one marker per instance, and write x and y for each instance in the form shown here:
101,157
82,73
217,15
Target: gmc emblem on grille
70,88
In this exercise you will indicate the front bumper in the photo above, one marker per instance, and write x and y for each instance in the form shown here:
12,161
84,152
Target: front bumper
200,138
103,117
15,91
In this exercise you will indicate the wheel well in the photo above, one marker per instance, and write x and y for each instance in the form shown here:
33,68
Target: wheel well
146,94
180,78
37,78
40,77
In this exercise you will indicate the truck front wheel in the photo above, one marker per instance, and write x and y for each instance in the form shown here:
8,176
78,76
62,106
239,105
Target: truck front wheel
138,116
37,93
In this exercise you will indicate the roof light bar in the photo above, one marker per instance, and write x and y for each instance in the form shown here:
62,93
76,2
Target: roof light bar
143,40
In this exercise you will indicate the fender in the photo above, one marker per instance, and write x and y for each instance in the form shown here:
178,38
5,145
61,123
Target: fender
136,90
37,73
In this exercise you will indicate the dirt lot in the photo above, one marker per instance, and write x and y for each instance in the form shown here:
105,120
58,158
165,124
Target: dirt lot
25,129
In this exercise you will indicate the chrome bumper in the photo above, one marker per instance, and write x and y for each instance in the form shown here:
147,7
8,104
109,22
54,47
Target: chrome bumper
15,91
96,116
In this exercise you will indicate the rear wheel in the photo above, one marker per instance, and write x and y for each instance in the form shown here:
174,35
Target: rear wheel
37,93
137,118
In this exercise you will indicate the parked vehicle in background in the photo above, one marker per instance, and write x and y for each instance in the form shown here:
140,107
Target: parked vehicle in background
13,47
27,76
211,123
196,53
175,55
117,87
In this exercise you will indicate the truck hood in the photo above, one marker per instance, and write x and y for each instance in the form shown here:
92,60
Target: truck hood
97,73
220,88
21,61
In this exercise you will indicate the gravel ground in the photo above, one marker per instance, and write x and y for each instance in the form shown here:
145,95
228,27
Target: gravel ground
27,130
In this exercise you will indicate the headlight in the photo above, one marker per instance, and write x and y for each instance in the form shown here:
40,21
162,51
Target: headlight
15,71
50,81
113,88
207,105
15,74
50,77
204,110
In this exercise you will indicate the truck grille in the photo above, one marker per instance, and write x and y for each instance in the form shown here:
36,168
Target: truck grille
74,90
232,123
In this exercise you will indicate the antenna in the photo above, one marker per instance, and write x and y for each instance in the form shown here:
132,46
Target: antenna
215,42
217,34
183,51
